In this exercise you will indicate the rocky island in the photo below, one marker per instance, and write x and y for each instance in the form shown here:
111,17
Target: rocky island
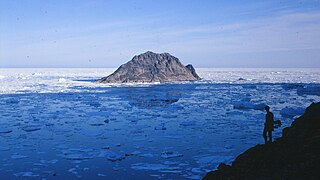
296,155
152,67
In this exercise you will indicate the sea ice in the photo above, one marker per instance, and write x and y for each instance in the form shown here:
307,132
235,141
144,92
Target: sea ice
170,154
92,132
193,176
248,105
74,171
147,166
309,90
31,128
77,157
62,80
4,149
115,157
290,112
133,153
26,174
220,150
147,155
188,123
213,159
292,86
53,161
171,171
106,147
18,156
202,127
5,130
97,124
160,128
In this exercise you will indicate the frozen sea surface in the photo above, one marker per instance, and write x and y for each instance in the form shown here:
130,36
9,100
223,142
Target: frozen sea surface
57,123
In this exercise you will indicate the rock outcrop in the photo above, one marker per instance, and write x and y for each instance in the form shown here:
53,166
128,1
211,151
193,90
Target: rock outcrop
296,155
152,67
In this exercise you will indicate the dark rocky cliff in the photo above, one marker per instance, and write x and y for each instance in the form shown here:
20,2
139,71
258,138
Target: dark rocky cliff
152,67
296,155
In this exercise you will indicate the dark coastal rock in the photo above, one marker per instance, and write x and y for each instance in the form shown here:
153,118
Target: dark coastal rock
193,71
152,67
296,155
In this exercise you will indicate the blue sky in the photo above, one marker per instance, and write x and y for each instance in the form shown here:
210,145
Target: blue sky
79,33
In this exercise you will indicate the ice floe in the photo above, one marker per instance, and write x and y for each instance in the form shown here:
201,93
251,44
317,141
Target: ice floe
309,90
147,166
31,128
248,105
5,130
26,174
18,156
170,154
290,112
71,127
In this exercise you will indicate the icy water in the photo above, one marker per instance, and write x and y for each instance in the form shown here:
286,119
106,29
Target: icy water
57,123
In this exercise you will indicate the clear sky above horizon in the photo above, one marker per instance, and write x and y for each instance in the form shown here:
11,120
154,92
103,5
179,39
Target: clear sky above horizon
83,33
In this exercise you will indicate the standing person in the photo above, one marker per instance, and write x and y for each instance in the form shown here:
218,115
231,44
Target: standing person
268,125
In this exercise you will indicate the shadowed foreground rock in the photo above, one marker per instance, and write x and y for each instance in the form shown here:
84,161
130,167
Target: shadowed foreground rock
296,155
152,67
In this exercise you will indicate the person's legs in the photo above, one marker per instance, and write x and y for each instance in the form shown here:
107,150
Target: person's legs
265,135
270,136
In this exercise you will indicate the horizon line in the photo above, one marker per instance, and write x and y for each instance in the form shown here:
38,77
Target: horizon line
195,67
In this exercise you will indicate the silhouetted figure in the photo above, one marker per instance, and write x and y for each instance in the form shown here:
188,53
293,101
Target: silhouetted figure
268,125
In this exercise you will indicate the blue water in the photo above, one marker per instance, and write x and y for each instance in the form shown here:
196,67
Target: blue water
157,131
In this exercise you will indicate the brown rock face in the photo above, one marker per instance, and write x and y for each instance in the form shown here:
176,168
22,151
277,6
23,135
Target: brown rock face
296,155
152,67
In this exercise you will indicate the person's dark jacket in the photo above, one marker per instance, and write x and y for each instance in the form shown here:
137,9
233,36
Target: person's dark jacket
269,121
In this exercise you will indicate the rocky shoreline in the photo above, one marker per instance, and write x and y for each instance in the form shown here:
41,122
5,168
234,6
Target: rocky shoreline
296,155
